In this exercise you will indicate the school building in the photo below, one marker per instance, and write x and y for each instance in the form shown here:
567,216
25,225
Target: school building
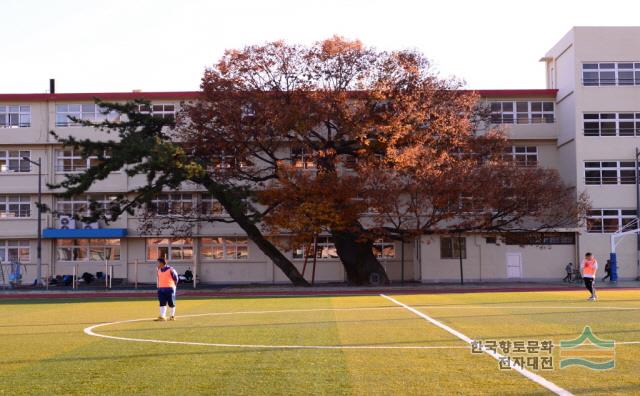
585,124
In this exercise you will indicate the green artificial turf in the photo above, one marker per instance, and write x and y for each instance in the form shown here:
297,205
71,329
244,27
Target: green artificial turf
45,350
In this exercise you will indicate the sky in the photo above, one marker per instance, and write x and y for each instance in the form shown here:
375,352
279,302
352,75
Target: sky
165,45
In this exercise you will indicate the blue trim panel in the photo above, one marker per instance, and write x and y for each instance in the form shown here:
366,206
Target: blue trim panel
84,233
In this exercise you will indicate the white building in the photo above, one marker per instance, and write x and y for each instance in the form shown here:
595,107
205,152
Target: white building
586,124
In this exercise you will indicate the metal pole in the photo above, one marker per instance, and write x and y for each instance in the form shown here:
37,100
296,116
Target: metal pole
402,260
111,277
106,274
73,279
136,274
39,248
460,256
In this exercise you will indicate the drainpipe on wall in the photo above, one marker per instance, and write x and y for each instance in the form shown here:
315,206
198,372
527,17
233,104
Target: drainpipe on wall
577,249
478,242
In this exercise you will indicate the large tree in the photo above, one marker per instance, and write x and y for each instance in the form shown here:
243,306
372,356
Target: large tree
337,128
334,138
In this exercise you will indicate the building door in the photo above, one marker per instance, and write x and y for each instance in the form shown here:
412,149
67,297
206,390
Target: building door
514,265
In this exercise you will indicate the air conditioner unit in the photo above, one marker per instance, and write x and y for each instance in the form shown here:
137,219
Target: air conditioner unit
66,223
90,226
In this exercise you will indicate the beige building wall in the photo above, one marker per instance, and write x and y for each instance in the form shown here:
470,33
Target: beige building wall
488,261
565,59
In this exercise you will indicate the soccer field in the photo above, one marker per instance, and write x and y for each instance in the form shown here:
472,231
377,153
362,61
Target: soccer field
360,345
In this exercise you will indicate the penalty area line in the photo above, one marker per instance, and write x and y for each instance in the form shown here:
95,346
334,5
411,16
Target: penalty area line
526,373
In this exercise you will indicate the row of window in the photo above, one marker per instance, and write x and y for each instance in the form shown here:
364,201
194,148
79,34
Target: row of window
14,161
71,160
19,206
95,113
526,156
609,172
19,116
14,250
609,220
610,73
236,248
212,248
15,116
452,247
12,206
67,160
611,124
522,112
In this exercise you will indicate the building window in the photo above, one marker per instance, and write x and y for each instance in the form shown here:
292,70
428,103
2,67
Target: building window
384,249
15,116
524,112
170,249
609,172
453,247
540,238
12,206
225,248
325,249
70,160
211,207
15,251
85,112
526,156
88,249
81,206
224,160
159,110
172,204
609,220
611,124
610,73
302,158
12,161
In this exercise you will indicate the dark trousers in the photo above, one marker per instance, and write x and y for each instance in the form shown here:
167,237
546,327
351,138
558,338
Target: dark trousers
567,278
167,296
588,282
607,276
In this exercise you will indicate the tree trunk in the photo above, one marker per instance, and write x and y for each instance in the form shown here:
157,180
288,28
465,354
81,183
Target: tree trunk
362,267
253,233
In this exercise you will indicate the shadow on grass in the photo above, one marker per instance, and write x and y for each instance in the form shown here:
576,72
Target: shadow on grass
162,354
582,311
573,334
256,324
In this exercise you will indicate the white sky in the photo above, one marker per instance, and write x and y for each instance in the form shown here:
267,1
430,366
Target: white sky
164,45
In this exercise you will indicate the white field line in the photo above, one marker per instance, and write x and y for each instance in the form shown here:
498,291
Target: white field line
528,374
89,331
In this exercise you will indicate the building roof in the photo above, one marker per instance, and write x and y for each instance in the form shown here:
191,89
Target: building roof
517,93
91,96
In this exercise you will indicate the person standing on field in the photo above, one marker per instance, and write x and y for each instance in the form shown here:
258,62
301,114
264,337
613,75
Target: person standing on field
588,268
607,271
167,283
569,270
